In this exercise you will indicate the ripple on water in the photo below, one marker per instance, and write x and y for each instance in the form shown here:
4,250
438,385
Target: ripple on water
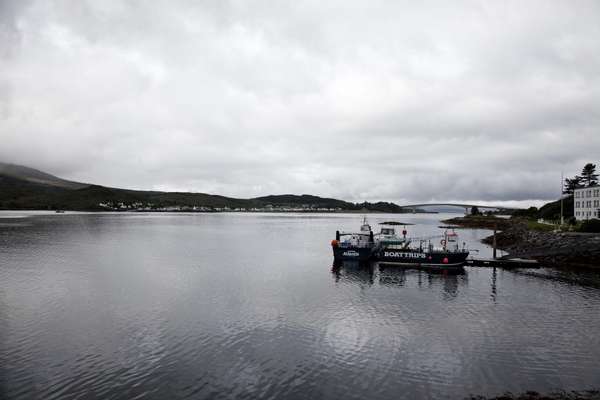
95,306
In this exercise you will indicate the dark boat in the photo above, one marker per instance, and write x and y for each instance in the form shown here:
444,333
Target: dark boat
392,249
357,246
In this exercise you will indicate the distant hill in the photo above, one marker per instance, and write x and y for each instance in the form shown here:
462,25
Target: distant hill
293,200
27,188
552,210
549,211
36,176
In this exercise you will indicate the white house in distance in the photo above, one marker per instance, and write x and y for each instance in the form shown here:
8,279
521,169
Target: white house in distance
587,202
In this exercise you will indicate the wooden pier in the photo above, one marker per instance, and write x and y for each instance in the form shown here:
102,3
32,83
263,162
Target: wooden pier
506,263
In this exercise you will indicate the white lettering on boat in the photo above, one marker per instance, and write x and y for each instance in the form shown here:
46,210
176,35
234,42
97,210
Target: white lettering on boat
350,253
399,254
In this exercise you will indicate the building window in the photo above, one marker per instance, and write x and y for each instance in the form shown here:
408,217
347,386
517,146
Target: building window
596,203
588,204
596,192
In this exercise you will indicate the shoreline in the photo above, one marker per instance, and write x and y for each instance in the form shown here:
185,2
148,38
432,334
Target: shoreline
591,394
307,211
519,240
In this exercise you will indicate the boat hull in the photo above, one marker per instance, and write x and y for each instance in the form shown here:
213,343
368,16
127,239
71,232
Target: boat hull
416,258
352,253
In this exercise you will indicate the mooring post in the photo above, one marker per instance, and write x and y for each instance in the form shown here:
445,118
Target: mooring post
494,242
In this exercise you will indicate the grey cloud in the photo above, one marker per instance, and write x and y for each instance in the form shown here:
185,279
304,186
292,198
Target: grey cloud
379,100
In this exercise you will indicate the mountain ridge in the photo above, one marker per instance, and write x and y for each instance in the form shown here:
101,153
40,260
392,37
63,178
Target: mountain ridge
23,187
36,176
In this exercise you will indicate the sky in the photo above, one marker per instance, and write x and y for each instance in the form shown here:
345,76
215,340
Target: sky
410,102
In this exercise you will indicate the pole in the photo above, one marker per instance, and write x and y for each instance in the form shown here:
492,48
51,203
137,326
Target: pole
562,219
494,243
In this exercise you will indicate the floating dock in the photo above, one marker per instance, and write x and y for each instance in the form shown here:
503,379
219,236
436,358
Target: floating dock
502,263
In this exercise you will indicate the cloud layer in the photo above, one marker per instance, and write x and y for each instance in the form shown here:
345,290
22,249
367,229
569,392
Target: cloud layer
377,100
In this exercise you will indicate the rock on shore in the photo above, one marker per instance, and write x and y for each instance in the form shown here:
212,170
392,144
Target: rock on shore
562,395
551,248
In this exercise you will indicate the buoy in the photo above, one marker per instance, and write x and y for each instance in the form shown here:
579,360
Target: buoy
445,260
334,243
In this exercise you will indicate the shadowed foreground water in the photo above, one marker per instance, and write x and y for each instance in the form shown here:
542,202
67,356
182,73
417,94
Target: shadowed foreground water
161,306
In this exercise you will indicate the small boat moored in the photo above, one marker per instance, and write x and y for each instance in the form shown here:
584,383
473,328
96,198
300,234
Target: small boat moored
356,246
392,249
387,247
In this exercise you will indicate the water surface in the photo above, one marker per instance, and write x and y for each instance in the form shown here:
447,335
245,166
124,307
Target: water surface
161,306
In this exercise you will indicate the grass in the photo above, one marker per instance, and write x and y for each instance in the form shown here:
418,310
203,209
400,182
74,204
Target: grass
536,226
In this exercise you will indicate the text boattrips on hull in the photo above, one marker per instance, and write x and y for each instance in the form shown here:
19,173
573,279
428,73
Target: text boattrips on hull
387,247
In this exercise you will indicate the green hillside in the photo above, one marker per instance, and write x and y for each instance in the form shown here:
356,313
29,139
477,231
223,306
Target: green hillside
27,188
292,200
35,176
549,211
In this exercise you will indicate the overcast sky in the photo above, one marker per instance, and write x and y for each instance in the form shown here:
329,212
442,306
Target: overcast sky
375,100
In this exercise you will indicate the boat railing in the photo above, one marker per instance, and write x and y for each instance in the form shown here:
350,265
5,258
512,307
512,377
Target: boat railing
355,244
355,233
425,242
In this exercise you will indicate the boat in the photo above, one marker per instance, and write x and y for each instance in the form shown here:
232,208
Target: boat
390,248
388,235
355,246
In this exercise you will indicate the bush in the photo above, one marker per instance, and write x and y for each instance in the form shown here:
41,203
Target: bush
530,213
591,225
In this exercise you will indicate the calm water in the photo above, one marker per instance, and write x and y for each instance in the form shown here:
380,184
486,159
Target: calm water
162,306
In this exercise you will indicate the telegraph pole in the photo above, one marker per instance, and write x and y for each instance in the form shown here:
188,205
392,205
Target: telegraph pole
562,219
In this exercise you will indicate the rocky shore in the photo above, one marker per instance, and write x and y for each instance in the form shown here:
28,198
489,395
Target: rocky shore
557,249
573,395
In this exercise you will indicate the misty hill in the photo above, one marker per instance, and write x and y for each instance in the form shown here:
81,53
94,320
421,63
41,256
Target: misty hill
37,177
27,188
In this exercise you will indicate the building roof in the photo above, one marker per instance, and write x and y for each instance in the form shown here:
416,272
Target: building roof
588,187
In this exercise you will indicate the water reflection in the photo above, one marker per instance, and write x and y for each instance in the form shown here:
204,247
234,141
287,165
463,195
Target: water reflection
163,306
494,278
353,271
369,273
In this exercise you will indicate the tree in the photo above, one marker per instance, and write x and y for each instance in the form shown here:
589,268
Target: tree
589,175
571,184
531,213
475,210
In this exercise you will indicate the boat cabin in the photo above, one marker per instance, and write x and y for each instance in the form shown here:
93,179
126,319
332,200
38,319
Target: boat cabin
364,238
388,231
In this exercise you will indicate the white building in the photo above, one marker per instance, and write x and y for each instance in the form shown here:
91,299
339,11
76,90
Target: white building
587,202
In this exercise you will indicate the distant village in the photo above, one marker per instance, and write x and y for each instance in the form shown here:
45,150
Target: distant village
149,207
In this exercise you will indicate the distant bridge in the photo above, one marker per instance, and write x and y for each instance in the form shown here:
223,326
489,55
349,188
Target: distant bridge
467,207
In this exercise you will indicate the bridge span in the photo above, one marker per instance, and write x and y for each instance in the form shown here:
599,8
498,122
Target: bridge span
467,207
